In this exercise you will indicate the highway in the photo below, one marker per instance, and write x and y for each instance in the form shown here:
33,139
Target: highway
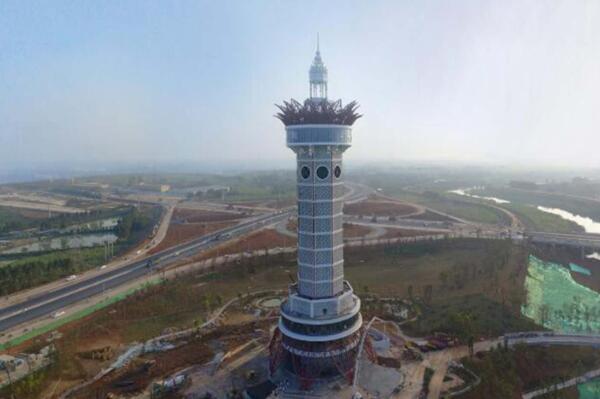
49,302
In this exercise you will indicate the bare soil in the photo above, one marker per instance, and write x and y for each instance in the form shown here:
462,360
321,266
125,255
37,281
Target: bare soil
355,230
372,207
432,216
180,233
395,233
263,239
202,216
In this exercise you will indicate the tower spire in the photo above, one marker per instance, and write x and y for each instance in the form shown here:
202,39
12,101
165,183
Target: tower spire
318,76
318,49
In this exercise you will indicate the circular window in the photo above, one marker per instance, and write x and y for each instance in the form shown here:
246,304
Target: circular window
322,172
305,172
337,172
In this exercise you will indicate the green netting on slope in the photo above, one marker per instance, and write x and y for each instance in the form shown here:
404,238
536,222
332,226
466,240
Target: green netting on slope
557,301
589,390
580,269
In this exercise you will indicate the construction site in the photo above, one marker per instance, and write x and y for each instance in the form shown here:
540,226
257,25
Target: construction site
228,356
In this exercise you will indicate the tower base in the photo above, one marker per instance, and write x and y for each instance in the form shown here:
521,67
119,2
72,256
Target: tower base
313,363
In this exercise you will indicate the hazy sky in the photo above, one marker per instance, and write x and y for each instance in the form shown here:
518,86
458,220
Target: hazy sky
501,82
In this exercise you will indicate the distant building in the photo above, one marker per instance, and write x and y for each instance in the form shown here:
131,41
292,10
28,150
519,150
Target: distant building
523,185
159,188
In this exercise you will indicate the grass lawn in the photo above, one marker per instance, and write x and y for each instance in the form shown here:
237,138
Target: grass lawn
464,209
488,318
574,205
537,220
506,374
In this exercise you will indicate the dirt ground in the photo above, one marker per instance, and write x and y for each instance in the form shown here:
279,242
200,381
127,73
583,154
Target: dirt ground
372,207
432,216
350,230
394,233
355,230
138,375
180,233
202,216
33,214
292,225
269,203
267,238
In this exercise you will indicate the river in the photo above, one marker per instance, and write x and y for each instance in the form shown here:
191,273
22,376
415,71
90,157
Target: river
589,225
467,193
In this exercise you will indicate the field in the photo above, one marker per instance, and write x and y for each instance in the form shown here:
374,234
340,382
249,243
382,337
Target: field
537,220
183,215
259,240
577,206
355,230
433,274
505,374
12,219
468,210
180,233
394,233
373,207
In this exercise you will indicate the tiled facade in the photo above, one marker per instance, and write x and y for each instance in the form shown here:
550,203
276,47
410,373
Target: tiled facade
320,176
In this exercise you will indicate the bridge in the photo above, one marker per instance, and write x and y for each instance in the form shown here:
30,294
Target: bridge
587,240
551,338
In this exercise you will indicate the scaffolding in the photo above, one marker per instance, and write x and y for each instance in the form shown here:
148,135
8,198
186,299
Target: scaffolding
313,362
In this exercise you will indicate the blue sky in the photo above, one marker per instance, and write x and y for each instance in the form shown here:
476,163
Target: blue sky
509,82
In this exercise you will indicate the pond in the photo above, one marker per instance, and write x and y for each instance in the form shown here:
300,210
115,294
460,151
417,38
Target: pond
588,224
103,224
69,242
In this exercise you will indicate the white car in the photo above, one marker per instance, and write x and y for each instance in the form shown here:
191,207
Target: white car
71,277
57,314
102,267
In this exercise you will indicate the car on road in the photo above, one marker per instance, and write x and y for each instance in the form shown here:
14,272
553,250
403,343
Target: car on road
71,277
103,267
224,236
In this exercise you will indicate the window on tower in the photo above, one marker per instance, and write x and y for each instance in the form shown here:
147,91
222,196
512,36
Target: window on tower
305,172
322,172
337,172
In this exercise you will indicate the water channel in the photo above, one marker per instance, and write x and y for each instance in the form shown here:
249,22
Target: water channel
589,225
467,193
65,242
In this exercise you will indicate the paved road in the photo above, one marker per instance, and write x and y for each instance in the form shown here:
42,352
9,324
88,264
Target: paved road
46,303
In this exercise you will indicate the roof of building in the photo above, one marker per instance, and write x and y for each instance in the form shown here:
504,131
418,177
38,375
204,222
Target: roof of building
320,111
